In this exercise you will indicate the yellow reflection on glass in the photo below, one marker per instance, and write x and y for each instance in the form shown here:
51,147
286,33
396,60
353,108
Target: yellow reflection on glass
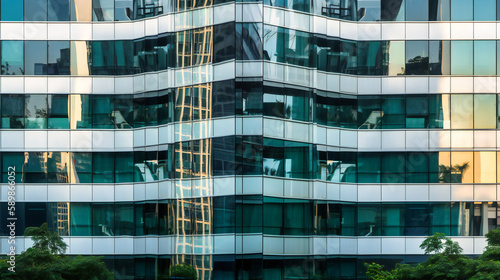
485,110
202,101
396,51
462,167
59,167
81,10
79,61
445,102
444,167
461,111
485,167
80,111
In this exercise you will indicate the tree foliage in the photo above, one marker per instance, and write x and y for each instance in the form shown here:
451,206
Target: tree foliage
446,262
45,260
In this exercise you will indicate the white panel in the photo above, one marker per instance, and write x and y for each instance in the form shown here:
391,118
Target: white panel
35,140
370,140
165,190
124,245
58,84
333,27
485,30
252,126
12,31
151,26
58,140
319,246
333,82
81,85
124,84
223,127
369,31
480,244
202,17
320,135
252,185
224,244
103,245
140,245
103,140
393,192
485,139
320,80
35,84
12,84
466,243
417,192
296,21
12,140
151,81
348,84
58,192
439,192
274,16
124,139
319,25
103,85
152,245
298,75
103,192
225,13
485,84
333,245
139,83
36,192
485,192
348,138
348,192
163,79
151,136
224,186
35,31
252,244
369,245
138,29
462,139
369,85
393,140
332,136
369,192
417,84
183,132
393,31
80,31
393,245
319,190
273,245
333,192
151,191
462,30
439,139
165,23
139,191
124,192
81,192
439,30
103,31
393,85
296,188
81,140
412,245
202,129
273,128
349,30
251,69
462,193
417,140
224,71
272,186
417,31
439,84
297,131
349,246
165,245
139,137
81,245
58,31
296,245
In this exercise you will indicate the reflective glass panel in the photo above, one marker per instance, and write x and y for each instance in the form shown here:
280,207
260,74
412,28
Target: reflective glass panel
123,111
461,10
485,111
59,167
249,41
35,58
369,10
461,58
82,168
462,167
124,10
439,10
35,167
274,43
81,10
417,57
35,10
224,42
485,167
439,57
103,10
370,58
58,111
36,111
485,57
103,58
485,10
11,10
462,111
12,58
417,10
392,10
166,51
81,111
12,111
103,168
58,58
395,62
80,58
58,10
102,111
124,51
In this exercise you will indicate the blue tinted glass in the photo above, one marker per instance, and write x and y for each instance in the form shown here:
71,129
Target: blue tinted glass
485,10
417,10
461,10
35,10
12,58
484,57
11,10
58,10
461,57
392,10
36,57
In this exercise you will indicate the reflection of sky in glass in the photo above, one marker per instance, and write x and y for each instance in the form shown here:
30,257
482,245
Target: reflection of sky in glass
484,58
396,58
417,10
462,10
11,10
12,53
485,10
372,10
461,57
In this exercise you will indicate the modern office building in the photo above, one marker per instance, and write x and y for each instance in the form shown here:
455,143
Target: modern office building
252,140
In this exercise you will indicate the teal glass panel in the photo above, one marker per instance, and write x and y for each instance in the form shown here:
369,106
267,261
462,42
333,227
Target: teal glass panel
393,219
58,10
166,217
441,218
12,57
417,168
124,51
82,167
297,217
11,10
164,165
274,102
224,214
273,216
58,111
166,51
461,10
417,10
273,157
394,114
368,10
124,219
439,111
392,10
103,168
58,57
439,57
370,58
102,111
124,10
417,111
35,59
249,157
16,161
369,166
124,167
274,43
123,111
336,219
393,168
35,10
35,167
485,10
249,214
103,219
297,160
348,111
369,112
36,111
80,111
320,217
103,57
297,105
103,10
348,57
485,58
81,219
417,219
13,111
369,220
298,48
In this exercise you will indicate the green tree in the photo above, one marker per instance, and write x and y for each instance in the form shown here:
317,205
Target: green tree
181,271
45,260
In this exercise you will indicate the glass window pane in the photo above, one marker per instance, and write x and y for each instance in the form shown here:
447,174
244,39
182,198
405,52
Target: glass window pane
81,111
166,51
417,112
16,160
393,108
58,10
103,168
224,42
249,155
12,58
439,57
417,219
274,43
297,159
298,49
124,10
35,10
81,219
368,10
369,112
82,168
103,58
58,58
392,10
417,10
80,58
102,111
439,10
485,10
440,217
485,167
223,103
462,167
36,111
224,214
58,167
461,10
462,111
124,51
184,48
35,167
417,57
369,58
393,219
485,111
348,57
297,217
124,167
485,57
297,105
103,10
369,220
124,219
273,216
103,219
249,41
369,167
58,111
11,10
461,57
439,111
395,61
123,111
35,58
12,111
81,10
273,157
